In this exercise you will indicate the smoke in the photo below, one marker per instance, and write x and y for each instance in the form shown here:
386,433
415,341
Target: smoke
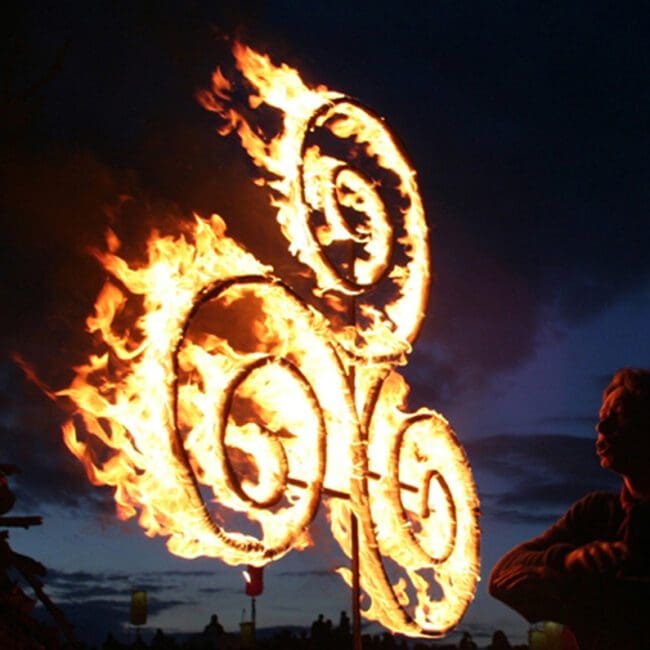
525,130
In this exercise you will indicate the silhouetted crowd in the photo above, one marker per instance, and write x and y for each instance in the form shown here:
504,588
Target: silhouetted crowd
322,635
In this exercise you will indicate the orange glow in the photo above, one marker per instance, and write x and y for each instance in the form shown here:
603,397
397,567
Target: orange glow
231,408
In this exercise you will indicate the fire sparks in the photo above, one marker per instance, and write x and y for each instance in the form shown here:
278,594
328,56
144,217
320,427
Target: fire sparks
216,414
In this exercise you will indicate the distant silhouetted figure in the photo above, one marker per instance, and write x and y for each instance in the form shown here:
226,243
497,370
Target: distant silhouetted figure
319,632
500,641
212,632
467,643
343,629
138,644
590,570
111,643
161,641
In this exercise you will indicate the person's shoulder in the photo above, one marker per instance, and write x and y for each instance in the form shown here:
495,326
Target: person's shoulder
598,504
600,496
597,499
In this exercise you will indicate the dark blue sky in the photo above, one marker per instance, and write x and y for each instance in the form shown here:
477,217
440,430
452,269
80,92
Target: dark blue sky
528,125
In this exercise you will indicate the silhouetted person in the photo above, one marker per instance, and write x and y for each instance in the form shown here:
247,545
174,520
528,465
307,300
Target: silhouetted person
467,643
499,641
138,644
111,643
212,632
590,570
318,632
161,641
343,630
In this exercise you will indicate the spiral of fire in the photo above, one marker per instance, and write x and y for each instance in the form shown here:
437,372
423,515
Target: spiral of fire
230,407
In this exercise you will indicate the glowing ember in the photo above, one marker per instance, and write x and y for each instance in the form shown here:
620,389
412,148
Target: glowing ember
215,415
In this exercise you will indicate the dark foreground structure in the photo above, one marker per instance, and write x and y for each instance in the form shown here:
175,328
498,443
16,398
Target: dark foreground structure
19,630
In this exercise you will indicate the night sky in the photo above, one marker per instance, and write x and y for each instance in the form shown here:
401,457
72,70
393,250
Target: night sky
528,126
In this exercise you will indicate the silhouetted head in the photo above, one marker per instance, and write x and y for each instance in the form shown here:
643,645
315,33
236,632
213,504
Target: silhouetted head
623,442
500,641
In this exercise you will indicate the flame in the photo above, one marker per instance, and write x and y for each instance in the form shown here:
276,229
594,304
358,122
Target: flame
226,411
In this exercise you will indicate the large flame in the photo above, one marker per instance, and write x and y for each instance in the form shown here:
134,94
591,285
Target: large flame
230,407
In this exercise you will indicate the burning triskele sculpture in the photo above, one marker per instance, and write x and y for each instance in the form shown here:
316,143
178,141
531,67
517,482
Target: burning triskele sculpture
229,409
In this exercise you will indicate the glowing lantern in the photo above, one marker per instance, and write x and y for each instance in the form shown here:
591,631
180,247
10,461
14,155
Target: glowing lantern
254,578
247,634
273,415
138,607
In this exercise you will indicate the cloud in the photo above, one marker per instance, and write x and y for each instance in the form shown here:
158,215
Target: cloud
30,430
84,616
70,583
55,575
316,573
94,618
214,590
543,474
98,603
585,422
120,582
541,454
185,574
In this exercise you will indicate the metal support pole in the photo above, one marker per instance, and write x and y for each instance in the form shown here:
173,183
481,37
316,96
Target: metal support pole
253,611
356,588
354,523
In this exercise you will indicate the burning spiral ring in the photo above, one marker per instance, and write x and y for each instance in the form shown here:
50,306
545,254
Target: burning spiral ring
290,519
435,509
389,239
332,176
